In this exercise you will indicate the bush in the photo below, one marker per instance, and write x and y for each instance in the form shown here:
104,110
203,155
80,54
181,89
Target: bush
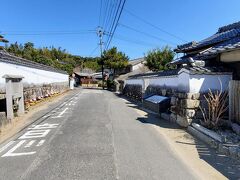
216,107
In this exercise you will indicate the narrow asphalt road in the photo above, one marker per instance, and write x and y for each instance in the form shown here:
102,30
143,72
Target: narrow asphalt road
92,135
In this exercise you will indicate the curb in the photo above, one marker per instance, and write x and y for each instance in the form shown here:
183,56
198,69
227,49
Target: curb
231,151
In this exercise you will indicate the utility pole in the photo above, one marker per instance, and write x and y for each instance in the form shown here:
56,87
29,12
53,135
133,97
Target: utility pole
100,33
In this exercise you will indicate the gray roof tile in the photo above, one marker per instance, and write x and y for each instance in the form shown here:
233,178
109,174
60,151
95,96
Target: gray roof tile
224,34
233,43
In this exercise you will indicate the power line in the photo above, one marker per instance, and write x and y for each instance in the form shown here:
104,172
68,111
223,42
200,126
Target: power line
113,22
43,31
112,32
154,26
48,33
134,41
147,34
93,51
108,9
108,19
105,12
112,16
100,12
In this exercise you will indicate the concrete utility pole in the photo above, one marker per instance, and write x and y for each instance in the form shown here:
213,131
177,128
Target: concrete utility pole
100,33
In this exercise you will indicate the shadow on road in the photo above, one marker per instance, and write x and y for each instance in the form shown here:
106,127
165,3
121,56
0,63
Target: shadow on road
229,167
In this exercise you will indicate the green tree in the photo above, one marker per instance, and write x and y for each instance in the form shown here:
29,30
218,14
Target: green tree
158,58
56,57
92,64
115,59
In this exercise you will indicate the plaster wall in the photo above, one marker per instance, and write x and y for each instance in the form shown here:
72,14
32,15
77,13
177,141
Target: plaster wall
202,83
135,81
31,76
137,66
169,81
184,82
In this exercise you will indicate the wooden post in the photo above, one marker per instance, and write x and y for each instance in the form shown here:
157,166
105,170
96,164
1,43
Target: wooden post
234,101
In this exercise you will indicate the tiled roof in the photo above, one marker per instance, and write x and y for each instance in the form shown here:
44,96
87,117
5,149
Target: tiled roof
11,59
207,70
171,72
224,34
136,61
183,60
225,46
192,70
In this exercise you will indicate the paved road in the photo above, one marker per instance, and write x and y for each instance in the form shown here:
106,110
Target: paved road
92,135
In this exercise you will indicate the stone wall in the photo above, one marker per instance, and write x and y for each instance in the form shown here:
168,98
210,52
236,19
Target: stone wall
32,94
184,107
133,91
159,90
38,92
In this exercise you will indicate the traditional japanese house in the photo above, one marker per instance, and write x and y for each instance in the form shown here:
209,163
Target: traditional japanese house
221,51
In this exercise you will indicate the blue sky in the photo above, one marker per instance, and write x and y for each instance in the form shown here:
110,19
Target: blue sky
187,19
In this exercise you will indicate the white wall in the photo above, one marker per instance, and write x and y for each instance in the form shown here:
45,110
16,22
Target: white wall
170,81
137,66
135,81
185,82
31,75
202,83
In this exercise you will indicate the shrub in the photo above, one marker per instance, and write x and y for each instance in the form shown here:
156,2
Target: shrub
216,107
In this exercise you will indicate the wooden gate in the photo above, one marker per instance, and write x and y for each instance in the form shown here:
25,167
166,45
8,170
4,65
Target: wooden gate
234,101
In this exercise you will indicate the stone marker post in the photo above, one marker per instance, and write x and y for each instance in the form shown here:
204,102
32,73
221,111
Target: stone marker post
14,93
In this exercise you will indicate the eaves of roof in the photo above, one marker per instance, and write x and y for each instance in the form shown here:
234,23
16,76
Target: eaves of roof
225,33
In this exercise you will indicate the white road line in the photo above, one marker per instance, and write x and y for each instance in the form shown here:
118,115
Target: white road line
11,151
40,143
44,126
61,113
30,144
6,146
35,134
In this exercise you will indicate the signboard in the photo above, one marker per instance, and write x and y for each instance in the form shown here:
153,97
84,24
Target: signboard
156,99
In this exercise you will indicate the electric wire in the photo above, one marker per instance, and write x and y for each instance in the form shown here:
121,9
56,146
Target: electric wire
154,26
93,51
134,41
113,22
110,13
46,33
147,34
118,18
110,22
100,12
105,12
